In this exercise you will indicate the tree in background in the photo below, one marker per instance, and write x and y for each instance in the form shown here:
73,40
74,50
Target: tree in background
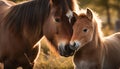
115,5
99,5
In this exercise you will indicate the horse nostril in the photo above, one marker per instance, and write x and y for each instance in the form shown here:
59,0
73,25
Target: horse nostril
68,49
74,44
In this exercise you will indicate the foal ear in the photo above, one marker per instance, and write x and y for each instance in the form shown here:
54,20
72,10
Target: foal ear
89,14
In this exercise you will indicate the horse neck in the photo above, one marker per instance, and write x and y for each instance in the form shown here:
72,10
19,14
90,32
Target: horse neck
41,13
25,21
32,38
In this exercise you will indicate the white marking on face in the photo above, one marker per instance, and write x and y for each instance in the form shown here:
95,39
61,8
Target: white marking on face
78,44
62,43
69,14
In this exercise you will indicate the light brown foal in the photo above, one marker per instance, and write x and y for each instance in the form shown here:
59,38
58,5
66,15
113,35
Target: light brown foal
93,50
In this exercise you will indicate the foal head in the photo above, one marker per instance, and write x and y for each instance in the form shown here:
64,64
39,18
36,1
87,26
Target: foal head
83,30
58,27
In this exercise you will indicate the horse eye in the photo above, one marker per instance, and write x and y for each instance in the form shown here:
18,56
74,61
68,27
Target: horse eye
85,30
57,19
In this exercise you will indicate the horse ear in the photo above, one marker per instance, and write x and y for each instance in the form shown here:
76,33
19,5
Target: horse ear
75,15
89,14
74,18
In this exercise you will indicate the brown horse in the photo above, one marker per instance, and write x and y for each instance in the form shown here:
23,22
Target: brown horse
4,6
24,24
93,50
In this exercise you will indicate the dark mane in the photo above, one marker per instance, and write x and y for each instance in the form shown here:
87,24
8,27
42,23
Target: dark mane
26,15
32,14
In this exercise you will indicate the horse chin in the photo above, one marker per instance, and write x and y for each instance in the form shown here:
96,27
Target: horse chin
66,51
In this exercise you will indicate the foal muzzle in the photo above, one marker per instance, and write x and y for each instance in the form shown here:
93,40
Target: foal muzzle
75,45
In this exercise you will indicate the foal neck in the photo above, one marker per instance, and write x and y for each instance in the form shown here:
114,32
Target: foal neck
92,49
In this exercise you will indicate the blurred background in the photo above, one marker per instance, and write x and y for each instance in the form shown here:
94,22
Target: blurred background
108,11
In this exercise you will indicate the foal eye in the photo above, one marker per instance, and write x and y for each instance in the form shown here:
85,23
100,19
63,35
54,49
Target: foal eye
57,19
85,30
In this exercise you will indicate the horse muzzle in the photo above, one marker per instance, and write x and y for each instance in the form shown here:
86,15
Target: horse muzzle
66,51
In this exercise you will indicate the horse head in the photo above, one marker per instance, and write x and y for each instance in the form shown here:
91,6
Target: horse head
58,26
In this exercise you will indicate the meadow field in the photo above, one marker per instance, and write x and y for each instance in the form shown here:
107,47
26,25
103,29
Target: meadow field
49,59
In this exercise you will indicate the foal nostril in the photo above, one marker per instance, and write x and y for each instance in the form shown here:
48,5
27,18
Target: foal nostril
74,45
